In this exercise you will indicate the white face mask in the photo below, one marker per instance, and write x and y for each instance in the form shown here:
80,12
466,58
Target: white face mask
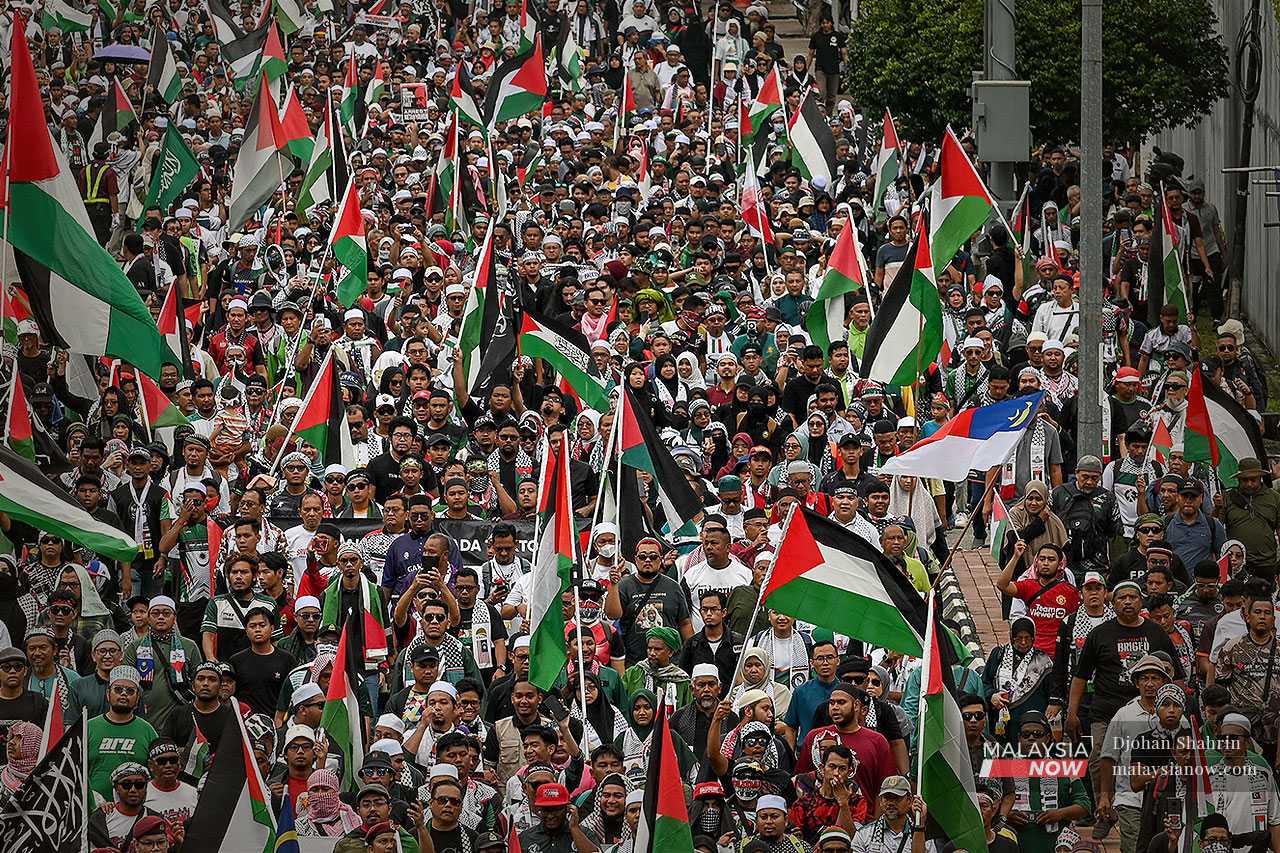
608,551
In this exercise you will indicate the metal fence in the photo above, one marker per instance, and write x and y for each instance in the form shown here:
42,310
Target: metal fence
1215,143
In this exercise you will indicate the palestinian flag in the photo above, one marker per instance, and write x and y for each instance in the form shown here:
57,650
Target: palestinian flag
906,334
55,725
664,819
376,88
296,132
322,420
289,15
482,306
830,576
1166,281
1020,222
225,24
813,148
350,97
17,422
341,716
233,812
59,14
846,273
517,87
245,57
562,348
315,169
175,335
157,409
273,62
446,170
462,100
79,295
553,561
117,115
27,495
756,115
1161,441
528,28
530,160
1219,430
959,202
569,62
14,304
1000,527
347,242
261,167
888,165
946,772
754,212
643,450
112,12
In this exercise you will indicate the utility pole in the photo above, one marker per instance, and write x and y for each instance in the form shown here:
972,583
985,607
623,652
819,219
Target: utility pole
1249,81
1001,103
1089,423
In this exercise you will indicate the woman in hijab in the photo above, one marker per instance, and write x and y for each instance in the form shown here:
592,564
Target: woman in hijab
603,722
757,674
689,372
1034,523
586,435
818,452
634,741
667,387
23,752
795,447
321,814
907,498
1016,679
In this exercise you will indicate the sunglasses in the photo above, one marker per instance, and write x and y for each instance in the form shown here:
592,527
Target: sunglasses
335,479
973,716
167,761
50,540
433,617
351,487
1029,734
1175,386
448,801
1152,530
132,786
61,610
12,666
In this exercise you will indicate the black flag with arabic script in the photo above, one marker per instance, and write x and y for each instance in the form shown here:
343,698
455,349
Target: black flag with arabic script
47,814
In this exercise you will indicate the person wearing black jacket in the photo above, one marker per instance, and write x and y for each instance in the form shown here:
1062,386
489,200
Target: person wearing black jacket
137,501
1090,514
715,643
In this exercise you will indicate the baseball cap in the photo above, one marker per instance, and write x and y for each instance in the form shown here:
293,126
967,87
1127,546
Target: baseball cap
551,795
897,786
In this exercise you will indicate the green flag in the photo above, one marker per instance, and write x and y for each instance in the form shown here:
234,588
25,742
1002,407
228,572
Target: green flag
173,172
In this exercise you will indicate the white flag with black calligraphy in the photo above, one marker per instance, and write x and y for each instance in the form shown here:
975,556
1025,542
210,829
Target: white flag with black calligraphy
47,814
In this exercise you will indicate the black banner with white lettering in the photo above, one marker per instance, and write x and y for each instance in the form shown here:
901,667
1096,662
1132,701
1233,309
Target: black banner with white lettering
471,536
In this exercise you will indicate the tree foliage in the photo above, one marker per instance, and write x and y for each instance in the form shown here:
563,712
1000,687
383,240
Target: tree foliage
1164,64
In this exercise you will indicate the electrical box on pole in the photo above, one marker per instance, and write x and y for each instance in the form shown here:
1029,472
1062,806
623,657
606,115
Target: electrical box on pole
1001,126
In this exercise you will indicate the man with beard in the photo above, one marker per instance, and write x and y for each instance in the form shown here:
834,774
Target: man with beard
113,823
222,630
606,824
204,718
647,599
1049,597
119,736
656,672
167,795
693,721
481,628
384,469
901,820
874,758
557,829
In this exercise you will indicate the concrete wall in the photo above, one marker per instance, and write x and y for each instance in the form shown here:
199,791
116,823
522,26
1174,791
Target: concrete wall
1215,143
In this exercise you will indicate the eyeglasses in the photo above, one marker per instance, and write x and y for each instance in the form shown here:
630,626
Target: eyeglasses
433,617
448,801
152,843
316,704
858,679
295,468
123,690
973,716
307,617
132,786
1175,386
1226,348
873,682
419,515
12,666
597,302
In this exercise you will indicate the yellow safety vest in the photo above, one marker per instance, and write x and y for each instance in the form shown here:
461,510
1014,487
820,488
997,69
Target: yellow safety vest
93,186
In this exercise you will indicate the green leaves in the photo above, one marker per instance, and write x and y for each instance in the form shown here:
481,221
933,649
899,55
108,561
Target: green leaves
1164,64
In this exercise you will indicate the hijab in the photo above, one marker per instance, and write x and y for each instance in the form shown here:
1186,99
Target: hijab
920,509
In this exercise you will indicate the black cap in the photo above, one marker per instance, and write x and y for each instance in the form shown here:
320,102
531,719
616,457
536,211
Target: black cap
487,840
1191,486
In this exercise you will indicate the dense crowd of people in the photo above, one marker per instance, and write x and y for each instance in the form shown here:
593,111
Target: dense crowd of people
1139,586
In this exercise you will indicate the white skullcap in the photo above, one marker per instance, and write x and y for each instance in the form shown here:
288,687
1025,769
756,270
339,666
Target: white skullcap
706,670
303,692
390,721
445,688
305,602
771,801
387,745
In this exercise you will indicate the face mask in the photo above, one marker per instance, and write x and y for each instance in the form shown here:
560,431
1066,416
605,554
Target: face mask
608,550
590,611
708,822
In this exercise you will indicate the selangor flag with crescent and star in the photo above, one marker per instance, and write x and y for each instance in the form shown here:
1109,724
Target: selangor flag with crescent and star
978,439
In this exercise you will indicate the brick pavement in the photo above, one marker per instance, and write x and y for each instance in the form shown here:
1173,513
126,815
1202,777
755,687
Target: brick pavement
976,572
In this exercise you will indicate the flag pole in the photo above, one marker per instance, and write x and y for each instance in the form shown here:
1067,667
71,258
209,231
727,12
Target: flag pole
609,446
764,584
293,426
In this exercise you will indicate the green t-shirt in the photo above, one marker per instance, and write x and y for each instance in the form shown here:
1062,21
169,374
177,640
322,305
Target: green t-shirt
112,744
